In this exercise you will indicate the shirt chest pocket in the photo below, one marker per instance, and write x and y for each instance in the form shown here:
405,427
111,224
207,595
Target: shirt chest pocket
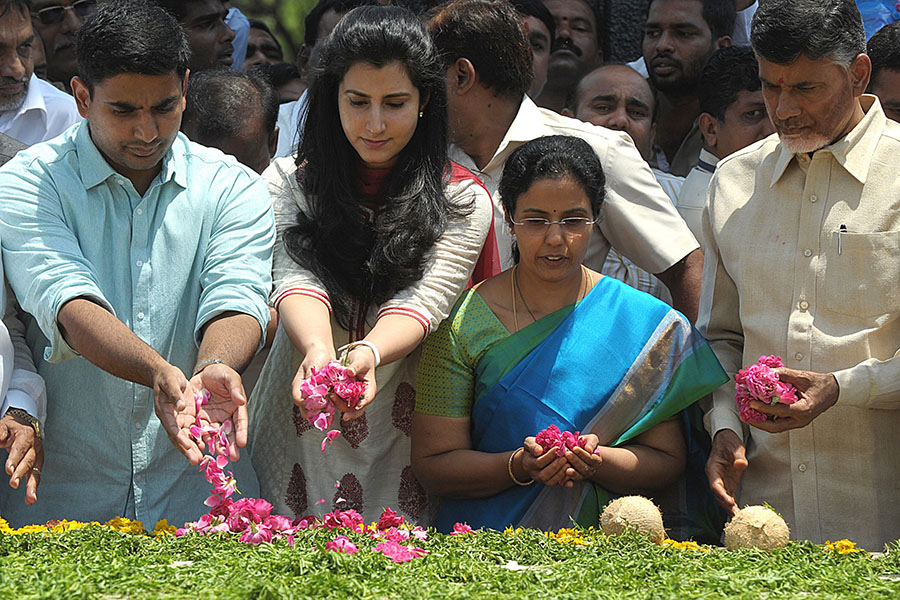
862,274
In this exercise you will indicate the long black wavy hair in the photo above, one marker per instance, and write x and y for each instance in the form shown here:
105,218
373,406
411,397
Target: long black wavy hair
354,258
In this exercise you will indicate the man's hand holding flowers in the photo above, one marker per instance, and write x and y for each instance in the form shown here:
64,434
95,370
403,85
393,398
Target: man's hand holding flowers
227,403
169,385
177,411
817,393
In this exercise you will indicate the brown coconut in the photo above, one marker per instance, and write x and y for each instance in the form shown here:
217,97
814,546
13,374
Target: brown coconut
756,527
636,513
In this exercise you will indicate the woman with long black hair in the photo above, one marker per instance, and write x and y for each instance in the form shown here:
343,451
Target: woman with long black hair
378,234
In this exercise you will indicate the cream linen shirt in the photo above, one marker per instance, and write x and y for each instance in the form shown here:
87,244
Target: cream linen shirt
639,219
780,278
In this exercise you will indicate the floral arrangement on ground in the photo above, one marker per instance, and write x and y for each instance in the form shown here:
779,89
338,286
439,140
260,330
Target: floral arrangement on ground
120,559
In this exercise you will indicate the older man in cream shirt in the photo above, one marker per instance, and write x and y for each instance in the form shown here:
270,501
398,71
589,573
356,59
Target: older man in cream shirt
803,261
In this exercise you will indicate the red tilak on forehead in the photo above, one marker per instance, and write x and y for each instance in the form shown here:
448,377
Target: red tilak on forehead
527,28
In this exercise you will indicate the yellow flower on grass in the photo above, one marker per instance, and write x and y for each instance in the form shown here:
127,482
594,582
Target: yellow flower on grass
29,529
688,545
64,525
4,526
125,525
163,528
510,531
571,536
843,547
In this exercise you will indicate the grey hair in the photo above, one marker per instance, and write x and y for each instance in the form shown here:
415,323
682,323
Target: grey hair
783,30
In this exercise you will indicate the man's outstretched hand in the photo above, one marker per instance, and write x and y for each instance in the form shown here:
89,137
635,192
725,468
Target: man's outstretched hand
725,467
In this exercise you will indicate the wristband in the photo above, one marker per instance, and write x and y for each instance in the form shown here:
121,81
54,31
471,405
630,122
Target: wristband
343,350
511,474
206,363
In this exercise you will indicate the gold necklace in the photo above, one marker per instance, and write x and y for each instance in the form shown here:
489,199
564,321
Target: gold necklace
525,302
587,281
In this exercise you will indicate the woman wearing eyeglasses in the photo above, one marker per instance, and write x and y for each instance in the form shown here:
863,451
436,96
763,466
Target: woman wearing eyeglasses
377,235
550,342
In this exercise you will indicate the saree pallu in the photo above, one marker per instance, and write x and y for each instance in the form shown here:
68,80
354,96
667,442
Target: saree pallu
616,364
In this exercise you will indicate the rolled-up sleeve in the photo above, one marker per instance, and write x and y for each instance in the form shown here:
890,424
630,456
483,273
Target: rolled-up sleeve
237,268
42,258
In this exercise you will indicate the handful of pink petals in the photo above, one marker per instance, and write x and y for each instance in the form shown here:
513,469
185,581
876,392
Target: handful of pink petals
333,378
760,382
252,518
561,440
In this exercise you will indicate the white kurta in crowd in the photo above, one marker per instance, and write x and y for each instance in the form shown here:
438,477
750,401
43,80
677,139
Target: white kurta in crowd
45,114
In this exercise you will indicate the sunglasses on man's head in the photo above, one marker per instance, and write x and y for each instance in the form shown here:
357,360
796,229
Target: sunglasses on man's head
55,14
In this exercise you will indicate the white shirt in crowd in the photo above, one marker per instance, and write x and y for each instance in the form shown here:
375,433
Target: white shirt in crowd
45,113
289,115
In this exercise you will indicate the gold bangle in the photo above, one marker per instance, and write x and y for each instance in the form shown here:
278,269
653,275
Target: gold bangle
509,468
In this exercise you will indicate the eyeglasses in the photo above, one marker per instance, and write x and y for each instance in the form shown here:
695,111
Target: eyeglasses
571,226
55,14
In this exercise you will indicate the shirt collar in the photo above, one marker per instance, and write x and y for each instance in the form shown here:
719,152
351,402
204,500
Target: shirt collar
707,161
526,126
95,170
854,150
34,99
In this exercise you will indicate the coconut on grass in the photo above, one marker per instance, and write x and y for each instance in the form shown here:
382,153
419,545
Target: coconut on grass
756,527
636,513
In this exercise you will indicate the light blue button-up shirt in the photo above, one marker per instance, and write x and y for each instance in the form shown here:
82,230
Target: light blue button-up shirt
197,244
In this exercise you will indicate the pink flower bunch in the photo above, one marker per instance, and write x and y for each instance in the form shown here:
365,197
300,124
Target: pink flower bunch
389,519
338,519
252,518
461,528
390,532
397,552
333,378
760,382
561,440
342,544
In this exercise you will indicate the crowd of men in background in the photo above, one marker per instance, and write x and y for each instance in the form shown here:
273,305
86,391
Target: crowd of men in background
674,115
693,98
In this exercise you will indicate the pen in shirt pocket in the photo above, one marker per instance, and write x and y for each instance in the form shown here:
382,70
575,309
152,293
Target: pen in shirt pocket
841,229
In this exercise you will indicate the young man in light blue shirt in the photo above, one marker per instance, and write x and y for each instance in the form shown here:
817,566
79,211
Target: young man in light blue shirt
145,261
